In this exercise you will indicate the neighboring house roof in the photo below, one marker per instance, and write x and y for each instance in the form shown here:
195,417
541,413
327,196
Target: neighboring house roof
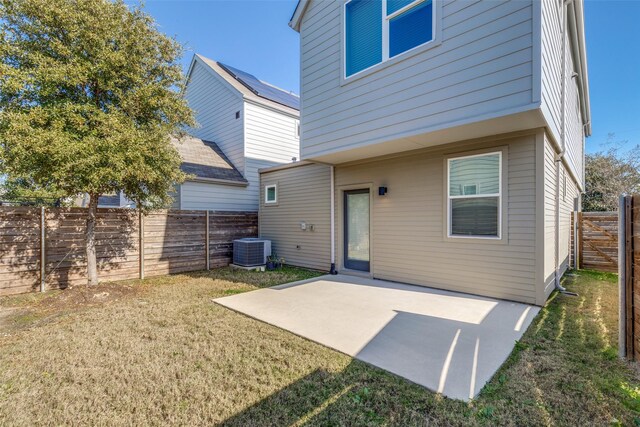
205,161
263,89
250,87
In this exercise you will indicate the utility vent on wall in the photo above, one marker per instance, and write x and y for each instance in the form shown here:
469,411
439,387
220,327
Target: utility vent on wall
251,251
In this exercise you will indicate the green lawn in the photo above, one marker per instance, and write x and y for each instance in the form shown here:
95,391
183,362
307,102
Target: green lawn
159,352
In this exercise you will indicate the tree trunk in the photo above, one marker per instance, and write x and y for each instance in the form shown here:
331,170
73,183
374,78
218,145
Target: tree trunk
92,265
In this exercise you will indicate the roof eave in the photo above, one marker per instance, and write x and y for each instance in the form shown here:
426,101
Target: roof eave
298,13
220,181
581,53
280,108
239,88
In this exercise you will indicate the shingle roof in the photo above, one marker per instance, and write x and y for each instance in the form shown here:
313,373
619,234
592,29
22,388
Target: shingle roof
263,89
204,159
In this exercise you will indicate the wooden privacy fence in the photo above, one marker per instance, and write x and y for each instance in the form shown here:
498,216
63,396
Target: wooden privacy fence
629,277
597,241
45,248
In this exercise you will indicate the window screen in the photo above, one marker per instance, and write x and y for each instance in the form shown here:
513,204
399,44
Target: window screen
474,195
411,28
363,32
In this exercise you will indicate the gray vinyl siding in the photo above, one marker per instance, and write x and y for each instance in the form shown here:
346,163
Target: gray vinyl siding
566,208
407,225
483,65
216,197
270,135
215,105
566,204
549,215
213,196
551,47
303,194
259,138
551,87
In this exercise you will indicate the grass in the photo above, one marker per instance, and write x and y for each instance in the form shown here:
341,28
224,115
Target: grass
159,352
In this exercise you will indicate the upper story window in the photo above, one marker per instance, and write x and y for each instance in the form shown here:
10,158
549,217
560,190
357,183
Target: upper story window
474,195
377,30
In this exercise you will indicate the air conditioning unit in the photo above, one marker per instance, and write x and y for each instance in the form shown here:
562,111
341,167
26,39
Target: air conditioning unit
251,251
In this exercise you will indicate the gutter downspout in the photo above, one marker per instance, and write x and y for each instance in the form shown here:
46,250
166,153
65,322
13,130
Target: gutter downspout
332,221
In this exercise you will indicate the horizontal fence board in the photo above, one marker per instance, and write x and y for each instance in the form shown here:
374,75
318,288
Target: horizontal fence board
174,242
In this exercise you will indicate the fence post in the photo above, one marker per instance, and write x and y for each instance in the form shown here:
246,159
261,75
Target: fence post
141,244
622,283
628,278
206,240
579,244
43,255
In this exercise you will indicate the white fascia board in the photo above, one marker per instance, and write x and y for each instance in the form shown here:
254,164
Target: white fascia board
298,13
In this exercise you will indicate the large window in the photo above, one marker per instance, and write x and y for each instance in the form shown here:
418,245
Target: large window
377,30
474,195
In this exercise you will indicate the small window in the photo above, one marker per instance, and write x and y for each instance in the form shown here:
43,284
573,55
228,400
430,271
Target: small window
474,195
297,129
270,194
374,33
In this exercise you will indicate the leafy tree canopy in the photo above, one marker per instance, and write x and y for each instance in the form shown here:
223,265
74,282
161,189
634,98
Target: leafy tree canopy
88,99
608,174
26,192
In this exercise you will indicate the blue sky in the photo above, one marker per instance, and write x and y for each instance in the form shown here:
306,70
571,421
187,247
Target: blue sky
253,35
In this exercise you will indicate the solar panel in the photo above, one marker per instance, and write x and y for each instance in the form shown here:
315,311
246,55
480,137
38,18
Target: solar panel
263,89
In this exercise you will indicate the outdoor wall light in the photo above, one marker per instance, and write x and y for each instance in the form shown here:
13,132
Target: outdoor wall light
382,191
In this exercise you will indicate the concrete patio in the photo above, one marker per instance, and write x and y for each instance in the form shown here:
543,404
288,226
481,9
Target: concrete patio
449,342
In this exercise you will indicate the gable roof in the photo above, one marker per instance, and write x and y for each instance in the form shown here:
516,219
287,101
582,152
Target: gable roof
250,87
205,161
263,89
296,18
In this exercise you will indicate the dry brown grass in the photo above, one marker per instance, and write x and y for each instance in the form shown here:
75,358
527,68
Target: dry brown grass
161,353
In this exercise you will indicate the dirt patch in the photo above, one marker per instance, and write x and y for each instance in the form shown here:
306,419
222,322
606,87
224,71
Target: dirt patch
28,311
77,297
7,314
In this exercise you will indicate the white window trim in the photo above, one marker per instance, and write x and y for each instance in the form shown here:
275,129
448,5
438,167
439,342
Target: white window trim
435,39
474,196
266,194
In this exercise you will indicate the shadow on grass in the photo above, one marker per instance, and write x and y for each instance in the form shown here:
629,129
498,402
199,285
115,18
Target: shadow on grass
357,395
564,371
259,279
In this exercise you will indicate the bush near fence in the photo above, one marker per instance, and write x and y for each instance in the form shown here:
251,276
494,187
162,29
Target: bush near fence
128,245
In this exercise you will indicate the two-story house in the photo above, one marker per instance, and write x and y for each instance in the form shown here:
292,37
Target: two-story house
442,143
244,124
251,123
